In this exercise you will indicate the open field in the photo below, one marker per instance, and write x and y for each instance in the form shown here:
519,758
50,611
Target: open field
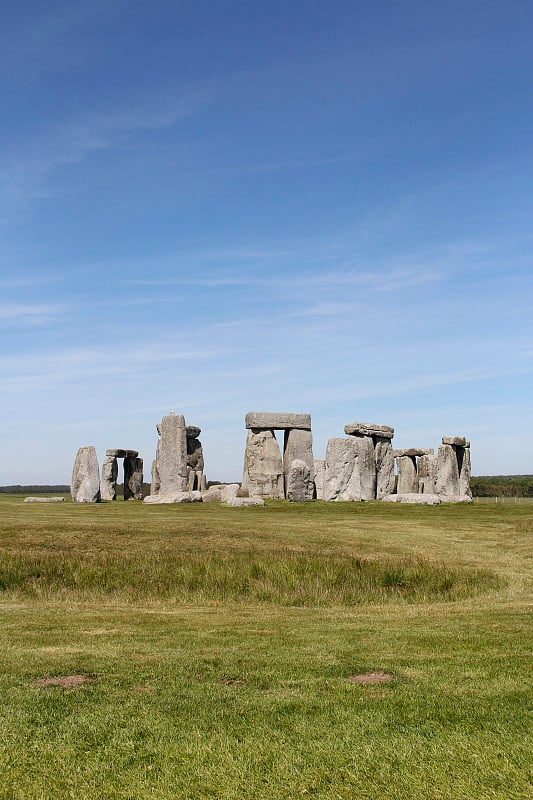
220,647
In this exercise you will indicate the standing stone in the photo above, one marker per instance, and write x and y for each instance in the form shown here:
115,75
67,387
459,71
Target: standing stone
195,459
384,457
85,482
447,483
299,482
108,486
263,467
350,469
427,473
319,472
298,446
172,455
156,483
133,478
407,474
465,472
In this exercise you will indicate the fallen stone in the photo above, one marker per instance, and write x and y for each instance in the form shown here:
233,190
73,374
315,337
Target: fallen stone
457,441
407,475
299,482
368,429
176,497
44,499
350,469
298,446
193,431
133,478
263,467
118,452
456,498
319,472
277,420
228,490
212,495
411,497
85,482
240,502
108,483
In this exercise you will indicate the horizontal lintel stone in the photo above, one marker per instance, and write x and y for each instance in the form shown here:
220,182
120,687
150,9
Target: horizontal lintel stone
119,452
277,420
368,429
458,441
414,451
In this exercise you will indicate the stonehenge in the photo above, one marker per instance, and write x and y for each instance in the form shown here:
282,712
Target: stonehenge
358,466
266,473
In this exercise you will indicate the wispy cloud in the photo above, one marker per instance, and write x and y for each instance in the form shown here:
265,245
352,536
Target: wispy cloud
27,313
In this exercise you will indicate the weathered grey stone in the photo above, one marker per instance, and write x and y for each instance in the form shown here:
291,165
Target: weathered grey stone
277,420
298,446
44,499
263,467
212,495
299,482
119,452
447,482
407,475
172,455
193,431
156,483
427,474
195,462
242,492
319,472
458,441
85,482
133,478
368,429
174,497
455,498
228,490
350,469
384,458
465,471
108,484
414,451
240,502
423,499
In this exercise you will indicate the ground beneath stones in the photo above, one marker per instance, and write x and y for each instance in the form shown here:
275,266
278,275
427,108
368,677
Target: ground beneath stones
371,677
65,681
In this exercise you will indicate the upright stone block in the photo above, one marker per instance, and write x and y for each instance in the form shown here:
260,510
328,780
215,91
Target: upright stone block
384,458
350,469
298,446
447,482
465,472
108,486
195,459
407,475
263,466
427,473
85,481
299,482
133,478
172,455
319,472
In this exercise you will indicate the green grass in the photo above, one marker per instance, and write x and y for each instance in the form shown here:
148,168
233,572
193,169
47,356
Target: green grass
220,643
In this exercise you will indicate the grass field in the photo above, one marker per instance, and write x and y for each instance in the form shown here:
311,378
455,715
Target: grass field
220,651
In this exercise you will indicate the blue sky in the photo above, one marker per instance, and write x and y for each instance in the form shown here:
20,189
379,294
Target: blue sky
217,207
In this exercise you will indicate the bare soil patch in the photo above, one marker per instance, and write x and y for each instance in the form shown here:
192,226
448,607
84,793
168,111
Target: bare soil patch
64,681
371,677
